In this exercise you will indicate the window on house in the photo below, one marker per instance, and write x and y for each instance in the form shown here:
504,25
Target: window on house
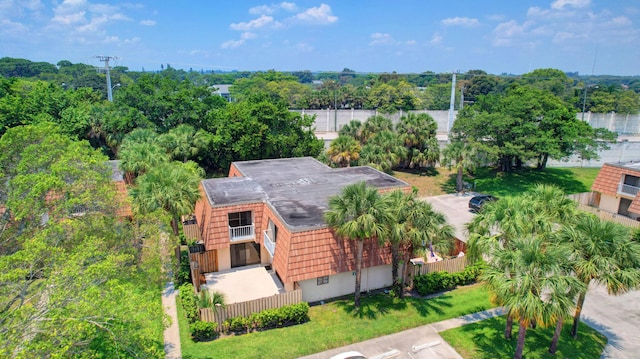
323,280
240,219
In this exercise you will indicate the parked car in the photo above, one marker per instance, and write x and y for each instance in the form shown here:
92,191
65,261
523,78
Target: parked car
349,355
476,203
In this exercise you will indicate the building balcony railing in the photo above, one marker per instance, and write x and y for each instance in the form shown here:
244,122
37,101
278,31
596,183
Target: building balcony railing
628,189
269,244
241,233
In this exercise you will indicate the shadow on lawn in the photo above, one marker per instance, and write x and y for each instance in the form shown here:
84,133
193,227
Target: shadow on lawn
489,341
372,306
514,183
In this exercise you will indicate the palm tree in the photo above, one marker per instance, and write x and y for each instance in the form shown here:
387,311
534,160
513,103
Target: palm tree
343,150
523,274
358,214
507,219
171,186
604,253
137,158
374,125
418,132
460,155
180,142
383,151
353,129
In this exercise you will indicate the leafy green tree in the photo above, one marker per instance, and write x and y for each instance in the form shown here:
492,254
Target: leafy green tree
524,124
74,283
604,253
170,186
344,150
358,214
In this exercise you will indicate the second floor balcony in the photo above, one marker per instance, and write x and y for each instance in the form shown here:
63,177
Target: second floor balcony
269,244
629,190
242,233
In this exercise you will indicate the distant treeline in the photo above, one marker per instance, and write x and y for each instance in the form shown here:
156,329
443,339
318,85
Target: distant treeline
346,89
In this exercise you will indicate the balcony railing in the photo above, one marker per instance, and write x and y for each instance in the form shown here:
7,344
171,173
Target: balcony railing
628,189
241,233
269,244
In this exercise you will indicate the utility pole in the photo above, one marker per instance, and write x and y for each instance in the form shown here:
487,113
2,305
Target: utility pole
451,103
106,59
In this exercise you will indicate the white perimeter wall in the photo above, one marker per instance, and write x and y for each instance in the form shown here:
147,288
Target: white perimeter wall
344,283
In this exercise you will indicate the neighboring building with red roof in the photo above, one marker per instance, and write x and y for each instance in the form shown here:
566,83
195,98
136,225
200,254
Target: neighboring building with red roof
618,186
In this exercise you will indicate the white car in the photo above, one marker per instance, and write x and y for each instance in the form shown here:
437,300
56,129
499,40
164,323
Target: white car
349,355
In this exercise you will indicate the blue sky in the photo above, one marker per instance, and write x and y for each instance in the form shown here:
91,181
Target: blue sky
498,36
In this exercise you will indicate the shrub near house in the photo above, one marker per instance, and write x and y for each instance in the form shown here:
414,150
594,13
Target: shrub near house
438,281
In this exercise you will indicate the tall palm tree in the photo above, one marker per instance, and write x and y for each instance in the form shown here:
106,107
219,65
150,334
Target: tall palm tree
460,155
604,253
523,274
353,129
137,158
358,214
343,150
171,186
374,125
418,132
180,142
509,218
383,151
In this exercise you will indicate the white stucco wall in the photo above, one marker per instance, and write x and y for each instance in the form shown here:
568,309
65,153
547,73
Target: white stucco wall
609,203
344,283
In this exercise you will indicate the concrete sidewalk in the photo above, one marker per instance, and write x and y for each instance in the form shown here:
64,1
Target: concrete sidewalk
418,343
172,333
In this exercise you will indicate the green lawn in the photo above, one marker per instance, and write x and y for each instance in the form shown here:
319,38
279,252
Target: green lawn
336,324
485,339
571,180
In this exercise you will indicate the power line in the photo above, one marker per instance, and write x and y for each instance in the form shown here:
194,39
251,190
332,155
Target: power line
106,59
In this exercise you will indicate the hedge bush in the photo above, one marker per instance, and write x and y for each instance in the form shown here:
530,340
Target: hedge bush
201,331
183,274
270,318
438,281
189,302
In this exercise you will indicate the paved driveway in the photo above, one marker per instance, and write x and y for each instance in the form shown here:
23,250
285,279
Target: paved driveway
456,209
618,318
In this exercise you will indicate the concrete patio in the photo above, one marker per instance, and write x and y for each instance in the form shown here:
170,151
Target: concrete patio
244,283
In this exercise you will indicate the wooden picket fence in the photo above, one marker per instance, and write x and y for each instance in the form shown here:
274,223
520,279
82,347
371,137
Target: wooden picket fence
249,307
611,217
448,265
191,229
200,263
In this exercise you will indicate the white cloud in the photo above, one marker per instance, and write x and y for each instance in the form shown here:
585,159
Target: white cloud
8,27
436,39
304,47
147,22
566,23
410,42
232,44
461,21
381,39
561,4
271,9
320,15
248,35
70,18
262,21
